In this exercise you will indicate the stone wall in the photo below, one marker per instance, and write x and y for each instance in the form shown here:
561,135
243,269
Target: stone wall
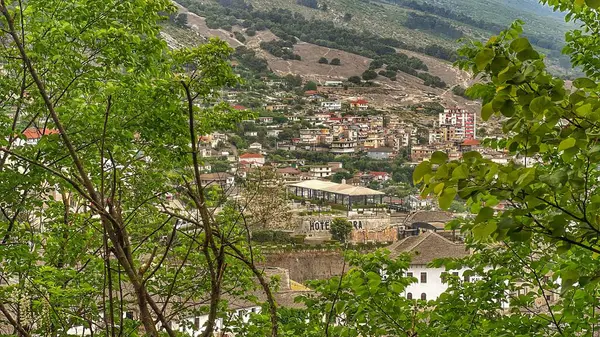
308,265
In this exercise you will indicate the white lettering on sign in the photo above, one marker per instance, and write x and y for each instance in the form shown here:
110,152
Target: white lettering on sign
323,225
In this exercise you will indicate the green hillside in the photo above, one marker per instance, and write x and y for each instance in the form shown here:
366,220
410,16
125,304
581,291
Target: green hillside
431,27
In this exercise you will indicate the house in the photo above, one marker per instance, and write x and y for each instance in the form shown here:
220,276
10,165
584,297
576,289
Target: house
359,104
343,146
320,171
255,146
239,107
331,106
273,133
311,93
289,174
334,83
251,133
423,249
287,146
276,107
255,159
222,179
33,135
380,153
463,121
469,145
265,120
380,176
420,153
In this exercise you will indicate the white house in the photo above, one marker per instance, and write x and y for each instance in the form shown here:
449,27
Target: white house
255,146
331,106
320,171
425,248
253,158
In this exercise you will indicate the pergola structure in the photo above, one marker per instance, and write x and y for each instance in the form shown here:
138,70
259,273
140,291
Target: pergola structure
337,193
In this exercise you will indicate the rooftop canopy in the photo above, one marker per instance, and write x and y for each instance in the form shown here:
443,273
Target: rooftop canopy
341,189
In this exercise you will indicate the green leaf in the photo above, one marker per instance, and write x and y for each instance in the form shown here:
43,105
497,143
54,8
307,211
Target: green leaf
595,4
439,157
484,214
520,44
460,172
566,144
484,57
584,82
445,200
538,104
487,111
420,171
484,230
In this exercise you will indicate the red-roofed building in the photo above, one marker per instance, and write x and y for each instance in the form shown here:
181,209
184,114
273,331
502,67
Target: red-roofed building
252,159
239,107
360,104
469,145
310,92
33,135
380,176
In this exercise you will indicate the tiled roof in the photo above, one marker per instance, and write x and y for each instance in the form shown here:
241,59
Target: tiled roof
429,216
35,133
427,247
471,142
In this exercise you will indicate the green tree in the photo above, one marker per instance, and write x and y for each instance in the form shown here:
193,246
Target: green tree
323,60
89,226
340,229
310,85
354,79
335,62
369,75
347,17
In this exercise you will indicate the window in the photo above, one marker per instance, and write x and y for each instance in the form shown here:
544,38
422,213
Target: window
423,296
455,273
423,277
129,315
409,296
409,274
466,278
196,323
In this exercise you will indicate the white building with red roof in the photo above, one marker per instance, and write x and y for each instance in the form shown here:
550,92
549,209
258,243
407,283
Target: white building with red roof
256,159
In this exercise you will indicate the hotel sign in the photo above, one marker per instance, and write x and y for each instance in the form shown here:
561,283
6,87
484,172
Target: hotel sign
324,225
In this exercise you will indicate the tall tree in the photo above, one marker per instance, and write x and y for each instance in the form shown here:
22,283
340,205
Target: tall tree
99,126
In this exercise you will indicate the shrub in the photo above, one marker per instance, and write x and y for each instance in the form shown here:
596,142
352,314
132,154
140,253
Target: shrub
335,62
323,60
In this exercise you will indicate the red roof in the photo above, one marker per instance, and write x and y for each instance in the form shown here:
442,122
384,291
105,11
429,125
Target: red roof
251,155
239,107
471,142
379,174
34,133
360,101
311,92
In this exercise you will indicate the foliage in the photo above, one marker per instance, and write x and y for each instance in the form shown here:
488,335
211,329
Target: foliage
354,79
347,17
106,212
335,62
323,60
432,23
280,48
271,236
310,85
369,74
308,3
178,19
263,200
340,229
248,59
239,36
